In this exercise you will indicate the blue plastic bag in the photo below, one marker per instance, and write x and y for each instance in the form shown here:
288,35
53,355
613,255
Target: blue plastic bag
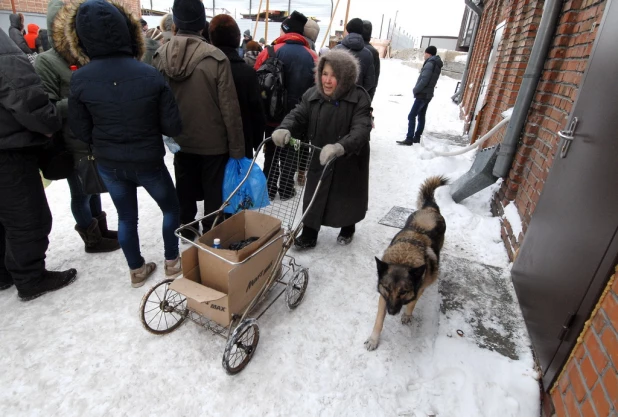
252,195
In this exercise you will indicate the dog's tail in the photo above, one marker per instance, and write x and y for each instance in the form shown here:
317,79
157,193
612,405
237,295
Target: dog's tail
425,194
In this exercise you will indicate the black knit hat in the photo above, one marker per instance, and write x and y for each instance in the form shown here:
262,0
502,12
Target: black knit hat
355,26
431,50
367,29
189,15
224,31
295,23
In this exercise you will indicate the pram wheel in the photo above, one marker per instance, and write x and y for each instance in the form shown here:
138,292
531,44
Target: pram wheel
241,346
295,290
163,310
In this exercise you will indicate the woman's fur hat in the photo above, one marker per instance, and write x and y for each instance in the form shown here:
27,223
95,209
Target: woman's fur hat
346,69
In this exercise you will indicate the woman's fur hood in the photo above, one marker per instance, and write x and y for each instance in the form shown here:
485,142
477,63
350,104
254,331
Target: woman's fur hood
346,69
66,40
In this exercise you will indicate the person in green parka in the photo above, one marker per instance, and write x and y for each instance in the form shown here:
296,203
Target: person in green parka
54,69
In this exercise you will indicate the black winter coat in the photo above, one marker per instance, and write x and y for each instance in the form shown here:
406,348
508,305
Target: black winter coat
248,92
428,79
344,194
354,43
117,103
26,114
16,34
376,60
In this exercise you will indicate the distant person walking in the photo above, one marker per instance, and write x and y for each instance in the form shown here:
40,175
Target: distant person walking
423,93
367,30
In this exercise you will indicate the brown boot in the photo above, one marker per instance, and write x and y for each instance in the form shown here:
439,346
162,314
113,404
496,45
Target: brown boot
95,243
141,274
108,234
173,268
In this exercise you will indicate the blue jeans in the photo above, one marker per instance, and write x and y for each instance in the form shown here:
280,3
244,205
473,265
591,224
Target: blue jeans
419,108
122,186
83,206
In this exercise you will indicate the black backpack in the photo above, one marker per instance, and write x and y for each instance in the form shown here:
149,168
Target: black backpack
272,87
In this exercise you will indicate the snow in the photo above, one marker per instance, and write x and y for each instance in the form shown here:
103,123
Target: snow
508,112
82,350
461,58
512,215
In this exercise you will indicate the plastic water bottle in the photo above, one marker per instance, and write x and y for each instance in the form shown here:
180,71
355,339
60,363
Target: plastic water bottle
216,243
171,144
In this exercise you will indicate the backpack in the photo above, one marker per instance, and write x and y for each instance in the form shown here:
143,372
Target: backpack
272,87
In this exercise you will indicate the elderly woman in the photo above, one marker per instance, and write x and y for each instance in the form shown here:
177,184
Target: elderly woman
334,115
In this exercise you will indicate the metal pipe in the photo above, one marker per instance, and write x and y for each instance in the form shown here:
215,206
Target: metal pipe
527,90
381,25
347,14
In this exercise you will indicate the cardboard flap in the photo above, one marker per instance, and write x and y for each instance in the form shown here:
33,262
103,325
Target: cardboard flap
196,291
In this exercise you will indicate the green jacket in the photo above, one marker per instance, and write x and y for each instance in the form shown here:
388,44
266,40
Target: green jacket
55,74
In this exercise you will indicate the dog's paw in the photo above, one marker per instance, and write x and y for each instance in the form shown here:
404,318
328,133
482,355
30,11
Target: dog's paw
371,344
406,319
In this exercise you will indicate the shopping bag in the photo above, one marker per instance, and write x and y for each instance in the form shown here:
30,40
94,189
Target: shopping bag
88,174
252,195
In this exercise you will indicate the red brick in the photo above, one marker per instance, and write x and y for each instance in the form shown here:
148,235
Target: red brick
586,409
615,286
599,321
578,385
571,405
610,342
600,402
589,373
597,355
611,309
558,404
610,382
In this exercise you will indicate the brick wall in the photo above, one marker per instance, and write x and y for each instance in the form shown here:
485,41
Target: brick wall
588,385
40,6
554,98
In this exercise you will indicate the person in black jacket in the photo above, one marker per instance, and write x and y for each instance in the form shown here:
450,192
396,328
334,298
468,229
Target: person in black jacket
123,107
16,32
423,93
367,29
225,35
354,43
27,120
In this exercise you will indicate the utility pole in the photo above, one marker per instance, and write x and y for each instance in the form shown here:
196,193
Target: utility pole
213,8
347,13
13,6
332,16
267,19
289,6
394,24
257,19
249,9
381,24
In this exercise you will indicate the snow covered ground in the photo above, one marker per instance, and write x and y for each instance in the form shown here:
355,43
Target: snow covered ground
82,350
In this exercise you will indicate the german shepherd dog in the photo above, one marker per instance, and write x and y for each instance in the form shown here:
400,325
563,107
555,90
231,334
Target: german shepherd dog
410,263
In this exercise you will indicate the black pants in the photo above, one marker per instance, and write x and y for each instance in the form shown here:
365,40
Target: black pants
199,177
25,220
279,169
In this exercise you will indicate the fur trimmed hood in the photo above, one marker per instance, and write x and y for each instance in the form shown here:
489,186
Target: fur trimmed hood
346,69
85,29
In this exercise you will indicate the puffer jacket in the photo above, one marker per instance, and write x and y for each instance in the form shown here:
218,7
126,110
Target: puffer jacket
53,66
26,114
118,104
201,78
298,65
426,82
355,43
15,33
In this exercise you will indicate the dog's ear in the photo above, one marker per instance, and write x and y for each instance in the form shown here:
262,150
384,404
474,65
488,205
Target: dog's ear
382,266
417,276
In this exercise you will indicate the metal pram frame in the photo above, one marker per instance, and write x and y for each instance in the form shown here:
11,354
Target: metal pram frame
163,310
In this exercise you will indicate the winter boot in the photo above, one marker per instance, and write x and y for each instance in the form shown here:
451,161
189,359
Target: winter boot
107,234
307,240
346,235
141,274
416,139
407,142
50,281
173,268
95,243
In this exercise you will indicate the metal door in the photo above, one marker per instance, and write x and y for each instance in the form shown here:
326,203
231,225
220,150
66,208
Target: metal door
571,245
493,56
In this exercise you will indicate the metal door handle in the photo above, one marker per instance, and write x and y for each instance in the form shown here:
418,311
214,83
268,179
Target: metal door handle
568,137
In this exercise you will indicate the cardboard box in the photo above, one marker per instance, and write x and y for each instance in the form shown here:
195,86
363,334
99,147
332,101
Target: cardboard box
218,289
214,270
